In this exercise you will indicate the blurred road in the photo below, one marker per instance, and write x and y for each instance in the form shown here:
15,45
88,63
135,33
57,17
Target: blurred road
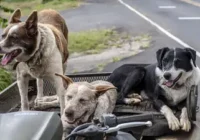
178,18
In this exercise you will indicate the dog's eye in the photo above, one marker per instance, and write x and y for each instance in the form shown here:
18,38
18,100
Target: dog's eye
14,36
165,61
177,62
3,36
82,100
69,97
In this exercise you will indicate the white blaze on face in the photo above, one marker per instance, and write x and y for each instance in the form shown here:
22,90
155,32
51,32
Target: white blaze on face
174,72
13,29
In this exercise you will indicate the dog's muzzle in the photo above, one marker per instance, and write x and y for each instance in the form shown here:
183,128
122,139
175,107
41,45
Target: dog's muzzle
171,83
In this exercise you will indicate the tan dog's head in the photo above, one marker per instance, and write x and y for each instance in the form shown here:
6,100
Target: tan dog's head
81,100
19,39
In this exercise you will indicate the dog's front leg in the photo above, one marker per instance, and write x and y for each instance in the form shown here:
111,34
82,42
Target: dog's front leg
59,91
184,120
40,93
173,122
22,82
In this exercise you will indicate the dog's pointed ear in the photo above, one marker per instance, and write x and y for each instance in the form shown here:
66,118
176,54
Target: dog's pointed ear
15,18
192,54
31,24
101,89
66,80
160,54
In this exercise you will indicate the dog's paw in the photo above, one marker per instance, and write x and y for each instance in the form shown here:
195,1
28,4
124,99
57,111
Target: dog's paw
135,95
173,123
185,124
38,103
132,101
48,98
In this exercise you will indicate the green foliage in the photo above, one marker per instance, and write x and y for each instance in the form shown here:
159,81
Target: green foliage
6,9
3,22
5,79
27,6
15,0
45,1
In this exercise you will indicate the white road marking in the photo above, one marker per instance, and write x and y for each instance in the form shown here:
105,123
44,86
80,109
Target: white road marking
189,18
167,7
159,27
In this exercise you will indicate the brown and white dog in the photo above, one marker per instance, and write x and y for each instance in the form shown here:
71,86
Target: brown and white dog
83,102
40,46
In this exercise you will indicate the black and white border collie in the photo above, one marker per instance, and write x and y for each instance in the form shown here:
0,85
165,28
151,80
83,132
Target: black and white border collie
166,83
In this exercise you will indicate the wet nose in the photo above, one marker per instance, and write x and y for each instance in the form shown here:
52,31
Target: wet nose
167,75
69,113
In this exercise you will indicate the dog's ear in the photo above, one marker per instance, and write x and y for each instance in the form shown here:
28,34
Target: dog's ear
15,18
160,54
192,54
101,89
31,24
66,80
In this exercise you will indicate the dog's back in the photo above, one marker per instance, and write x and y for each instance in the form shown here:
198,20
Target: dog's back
53,20
52,17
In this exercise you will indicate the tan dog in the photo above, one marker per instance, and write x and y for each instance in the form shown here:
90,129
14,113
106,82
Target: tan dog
40,45
83,102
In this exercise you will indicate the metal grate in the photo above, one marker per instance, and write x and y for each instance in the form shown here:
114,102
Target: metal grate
10,98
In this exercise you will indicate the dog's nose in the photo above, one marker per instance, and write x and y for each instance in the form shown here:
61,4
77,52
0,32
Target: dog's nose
167,75
69,113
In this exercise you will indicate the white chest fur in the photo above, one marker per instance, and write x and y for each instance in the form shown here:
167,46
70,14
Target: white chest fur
175,96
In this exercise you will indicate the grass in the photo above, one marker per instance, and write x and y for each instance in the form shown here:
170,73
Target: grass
144,39
91,42
5,79
116,59
27,6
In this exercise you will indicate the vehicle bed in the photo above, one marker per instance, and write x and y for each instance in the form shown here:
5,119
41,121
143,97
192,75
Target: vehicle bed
10,102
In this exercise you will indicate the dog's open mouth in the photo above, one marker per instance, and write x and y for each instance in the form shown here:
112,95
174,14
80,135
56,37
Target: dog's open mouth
75,120
8,57
171,83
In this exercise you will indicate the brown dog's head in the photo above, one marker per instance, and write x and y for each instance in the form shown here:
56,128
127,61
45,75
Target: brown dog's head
19,39
81,100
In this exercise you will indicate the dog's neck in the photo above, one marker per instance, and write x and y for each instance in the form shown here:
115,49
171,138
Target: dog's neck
36,59
43,49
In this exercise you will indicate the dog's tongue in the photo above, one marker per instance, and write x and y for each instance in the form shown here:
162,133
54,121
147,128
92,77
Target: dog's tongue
168,83
6,59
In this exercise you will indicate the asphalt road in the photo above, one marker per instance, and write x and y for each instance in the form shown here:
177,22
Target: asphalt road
186,30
